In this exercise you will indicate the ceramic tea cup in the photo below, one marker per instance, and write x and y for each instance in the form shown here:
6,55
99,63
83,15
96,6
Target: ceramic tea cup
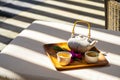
64,57
91,56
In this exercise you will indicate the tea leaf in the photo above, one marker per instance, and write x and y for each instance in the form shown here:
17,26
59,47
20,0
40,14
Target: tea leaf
76,59
57,48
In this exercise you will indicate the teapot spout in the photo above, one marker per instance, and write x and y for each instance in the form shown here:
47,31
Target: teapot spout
93,43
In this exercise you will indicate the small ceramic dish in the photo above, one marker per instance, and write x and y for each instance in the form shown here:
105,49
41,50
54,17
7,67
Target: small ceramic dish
64,57
91,56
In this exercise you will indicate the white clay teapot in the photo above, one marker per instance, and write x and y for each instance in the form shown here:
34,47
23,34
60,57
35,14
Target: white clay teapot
81,43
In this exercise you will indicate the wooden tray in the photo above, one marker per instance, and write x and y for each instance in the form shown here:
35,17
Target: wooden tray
75,64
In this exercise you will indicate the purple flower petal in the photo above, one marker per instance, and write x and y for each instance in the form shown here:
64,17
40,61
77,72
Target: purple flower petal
75,55
78,55
72,52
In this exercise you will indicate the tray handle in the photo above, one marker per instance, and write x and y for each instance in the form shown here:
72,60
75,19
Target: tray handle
80,21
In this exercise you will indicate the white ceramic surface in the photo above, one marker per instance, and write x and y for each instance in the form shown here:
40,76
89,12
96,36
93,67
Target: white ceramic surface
91,59
64,60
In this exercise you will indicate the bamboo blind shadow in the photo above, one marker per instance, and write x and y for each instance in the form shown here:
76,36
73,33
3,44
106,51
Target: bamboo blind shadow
113,15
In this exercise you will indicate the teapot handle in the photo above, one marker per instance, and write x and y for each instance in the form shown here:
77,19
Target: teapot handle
80,21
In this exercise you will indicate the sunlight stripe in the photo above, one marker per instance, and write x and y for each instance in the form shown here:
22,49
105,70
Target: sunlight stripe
110,38
17,23
70,15
11,10
74,7
88,2
26,14
93,74
41,17
28,55
9,74
38,36
65,14
56,25
8,33
113,58
84,31
23,4
2,45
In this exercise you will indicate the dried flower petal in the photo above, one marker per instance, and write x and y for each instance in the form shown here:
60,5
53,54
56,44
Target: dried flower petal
76,55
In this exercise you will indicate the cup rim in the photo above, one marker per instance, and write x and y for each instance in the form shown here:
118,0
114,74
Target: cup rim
65,52
97,54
